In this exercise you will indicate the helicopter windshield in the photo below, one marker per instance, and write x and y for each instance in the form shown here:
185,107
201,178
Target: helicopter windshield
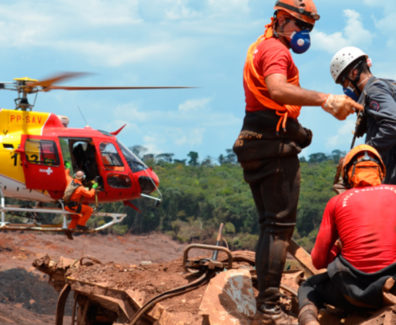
133,161
110,158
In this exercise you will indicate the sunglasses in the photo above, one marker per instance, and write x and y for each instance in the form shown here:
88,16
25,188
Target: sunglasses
303,25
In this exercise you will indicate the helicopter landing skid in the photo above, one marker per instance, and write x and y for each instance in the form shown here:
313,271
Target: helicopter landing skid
4,225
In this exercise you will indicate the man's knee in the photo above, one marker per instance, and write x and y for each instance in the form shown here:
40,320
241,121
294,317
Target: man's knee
86,210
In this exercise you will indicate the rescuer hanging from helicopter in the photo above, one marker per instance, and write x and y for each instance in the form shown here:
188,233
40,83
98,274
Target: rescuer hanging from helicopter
35,144
75,193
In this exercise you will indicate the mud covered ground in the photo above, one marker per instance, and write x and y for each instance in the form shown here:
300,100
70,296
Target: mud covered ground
25,295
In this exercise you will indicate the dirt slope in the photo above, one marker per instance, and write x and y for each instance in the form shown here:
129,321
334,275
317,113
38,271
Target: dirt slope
25,295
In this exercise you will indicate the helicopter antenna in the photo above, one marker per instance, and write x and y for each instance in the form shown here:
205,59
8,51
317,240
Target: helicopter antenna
82,115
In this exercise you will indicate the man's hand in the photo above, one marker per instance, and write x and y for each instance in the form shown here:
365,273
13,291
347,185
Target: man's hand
95,185
340,106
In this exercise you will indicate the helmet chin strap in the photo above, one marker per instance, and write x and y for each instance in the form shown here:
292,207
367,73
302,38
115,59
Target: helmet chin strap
363,81
355,82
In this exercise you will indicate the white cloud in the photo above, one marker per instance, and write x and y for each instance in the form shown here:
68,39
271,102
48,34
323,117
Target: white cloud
387,24
371,2
114,54
354,30
193,138
176,137
236,7
43,24
202,10
111,33
345,131
130,112
328,42
354,33
166,130
194,105
387,5
152,144
102,12
180,11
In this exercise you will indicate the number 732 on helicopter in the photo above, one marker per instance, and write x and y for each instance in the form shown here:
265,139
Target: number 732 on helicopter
39,150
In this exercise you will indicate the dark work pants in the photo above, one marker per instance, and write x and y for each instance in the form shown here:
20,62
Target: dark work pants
319,289
346,287
275,188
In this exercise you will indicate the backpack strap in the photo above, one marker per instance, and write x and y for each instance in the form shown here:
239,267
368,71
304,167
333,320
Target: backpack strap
70,189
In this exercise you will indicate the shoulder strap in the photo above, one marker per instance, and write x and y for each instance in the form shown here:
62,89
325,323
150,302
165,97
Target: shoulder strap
70,189
256,84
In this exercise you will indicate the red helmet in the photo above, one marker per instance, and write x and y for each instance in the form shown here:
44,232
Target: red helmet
304,10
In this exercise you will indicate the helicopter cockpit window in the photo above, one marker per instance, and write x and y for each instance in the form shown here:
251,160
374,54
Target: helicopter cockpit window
110,157
42,152
133,161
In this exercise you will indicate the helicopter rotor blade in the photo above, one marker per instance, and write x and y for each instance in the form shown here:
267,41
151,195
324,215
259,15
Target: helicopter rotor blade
114,87
47,83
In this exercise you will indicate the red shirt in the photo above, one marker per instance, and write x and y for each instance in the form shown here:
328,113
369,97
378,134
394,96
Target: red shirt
271,56
365,221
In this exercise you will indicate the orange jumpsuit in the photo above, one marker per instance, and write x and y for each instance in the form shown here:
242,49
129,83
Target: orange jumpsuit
84,210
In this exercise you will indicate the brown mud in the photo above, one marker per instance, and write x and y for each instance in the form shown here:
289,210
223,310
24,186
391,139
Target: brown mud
25,295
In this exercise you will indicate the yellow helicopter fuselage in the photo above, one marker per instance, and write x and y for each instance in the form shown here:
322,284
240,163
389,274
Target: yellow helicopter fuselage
13,125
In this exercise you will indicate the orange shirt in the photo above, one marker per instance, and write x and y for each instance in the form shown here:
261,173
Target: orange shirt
81,192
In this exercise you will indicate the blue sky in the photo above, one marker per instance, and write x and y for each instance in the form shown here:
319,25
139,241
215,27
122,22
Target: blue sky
198,43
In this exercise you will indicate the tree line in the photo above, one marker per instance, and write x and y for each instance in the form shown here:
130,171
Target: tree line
228,157
198,195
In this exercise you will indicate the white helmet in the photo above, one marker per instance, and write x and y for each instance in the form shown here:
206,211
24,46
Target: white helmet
343,58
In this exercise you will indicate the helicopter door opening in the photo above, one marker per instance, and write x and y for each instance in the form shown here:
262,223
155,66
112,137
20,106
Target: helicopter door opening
116,175
42,164
81,154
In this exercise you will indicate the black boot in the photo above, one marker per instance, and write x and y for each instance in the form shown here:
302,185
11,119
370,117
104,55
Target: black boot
270,260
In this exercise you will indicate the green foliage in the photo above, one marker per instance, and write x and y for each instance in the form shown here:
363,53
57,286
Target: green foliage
197,197
316,182
244,241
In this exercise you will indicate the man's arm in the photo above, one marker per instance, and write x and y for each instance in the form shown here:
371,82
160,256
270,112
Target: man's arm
381,106
85,193
323,252
340,106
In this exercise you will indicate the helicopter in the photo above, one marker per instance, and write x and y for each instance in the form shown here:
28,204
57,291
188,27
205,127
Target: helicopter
38,150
